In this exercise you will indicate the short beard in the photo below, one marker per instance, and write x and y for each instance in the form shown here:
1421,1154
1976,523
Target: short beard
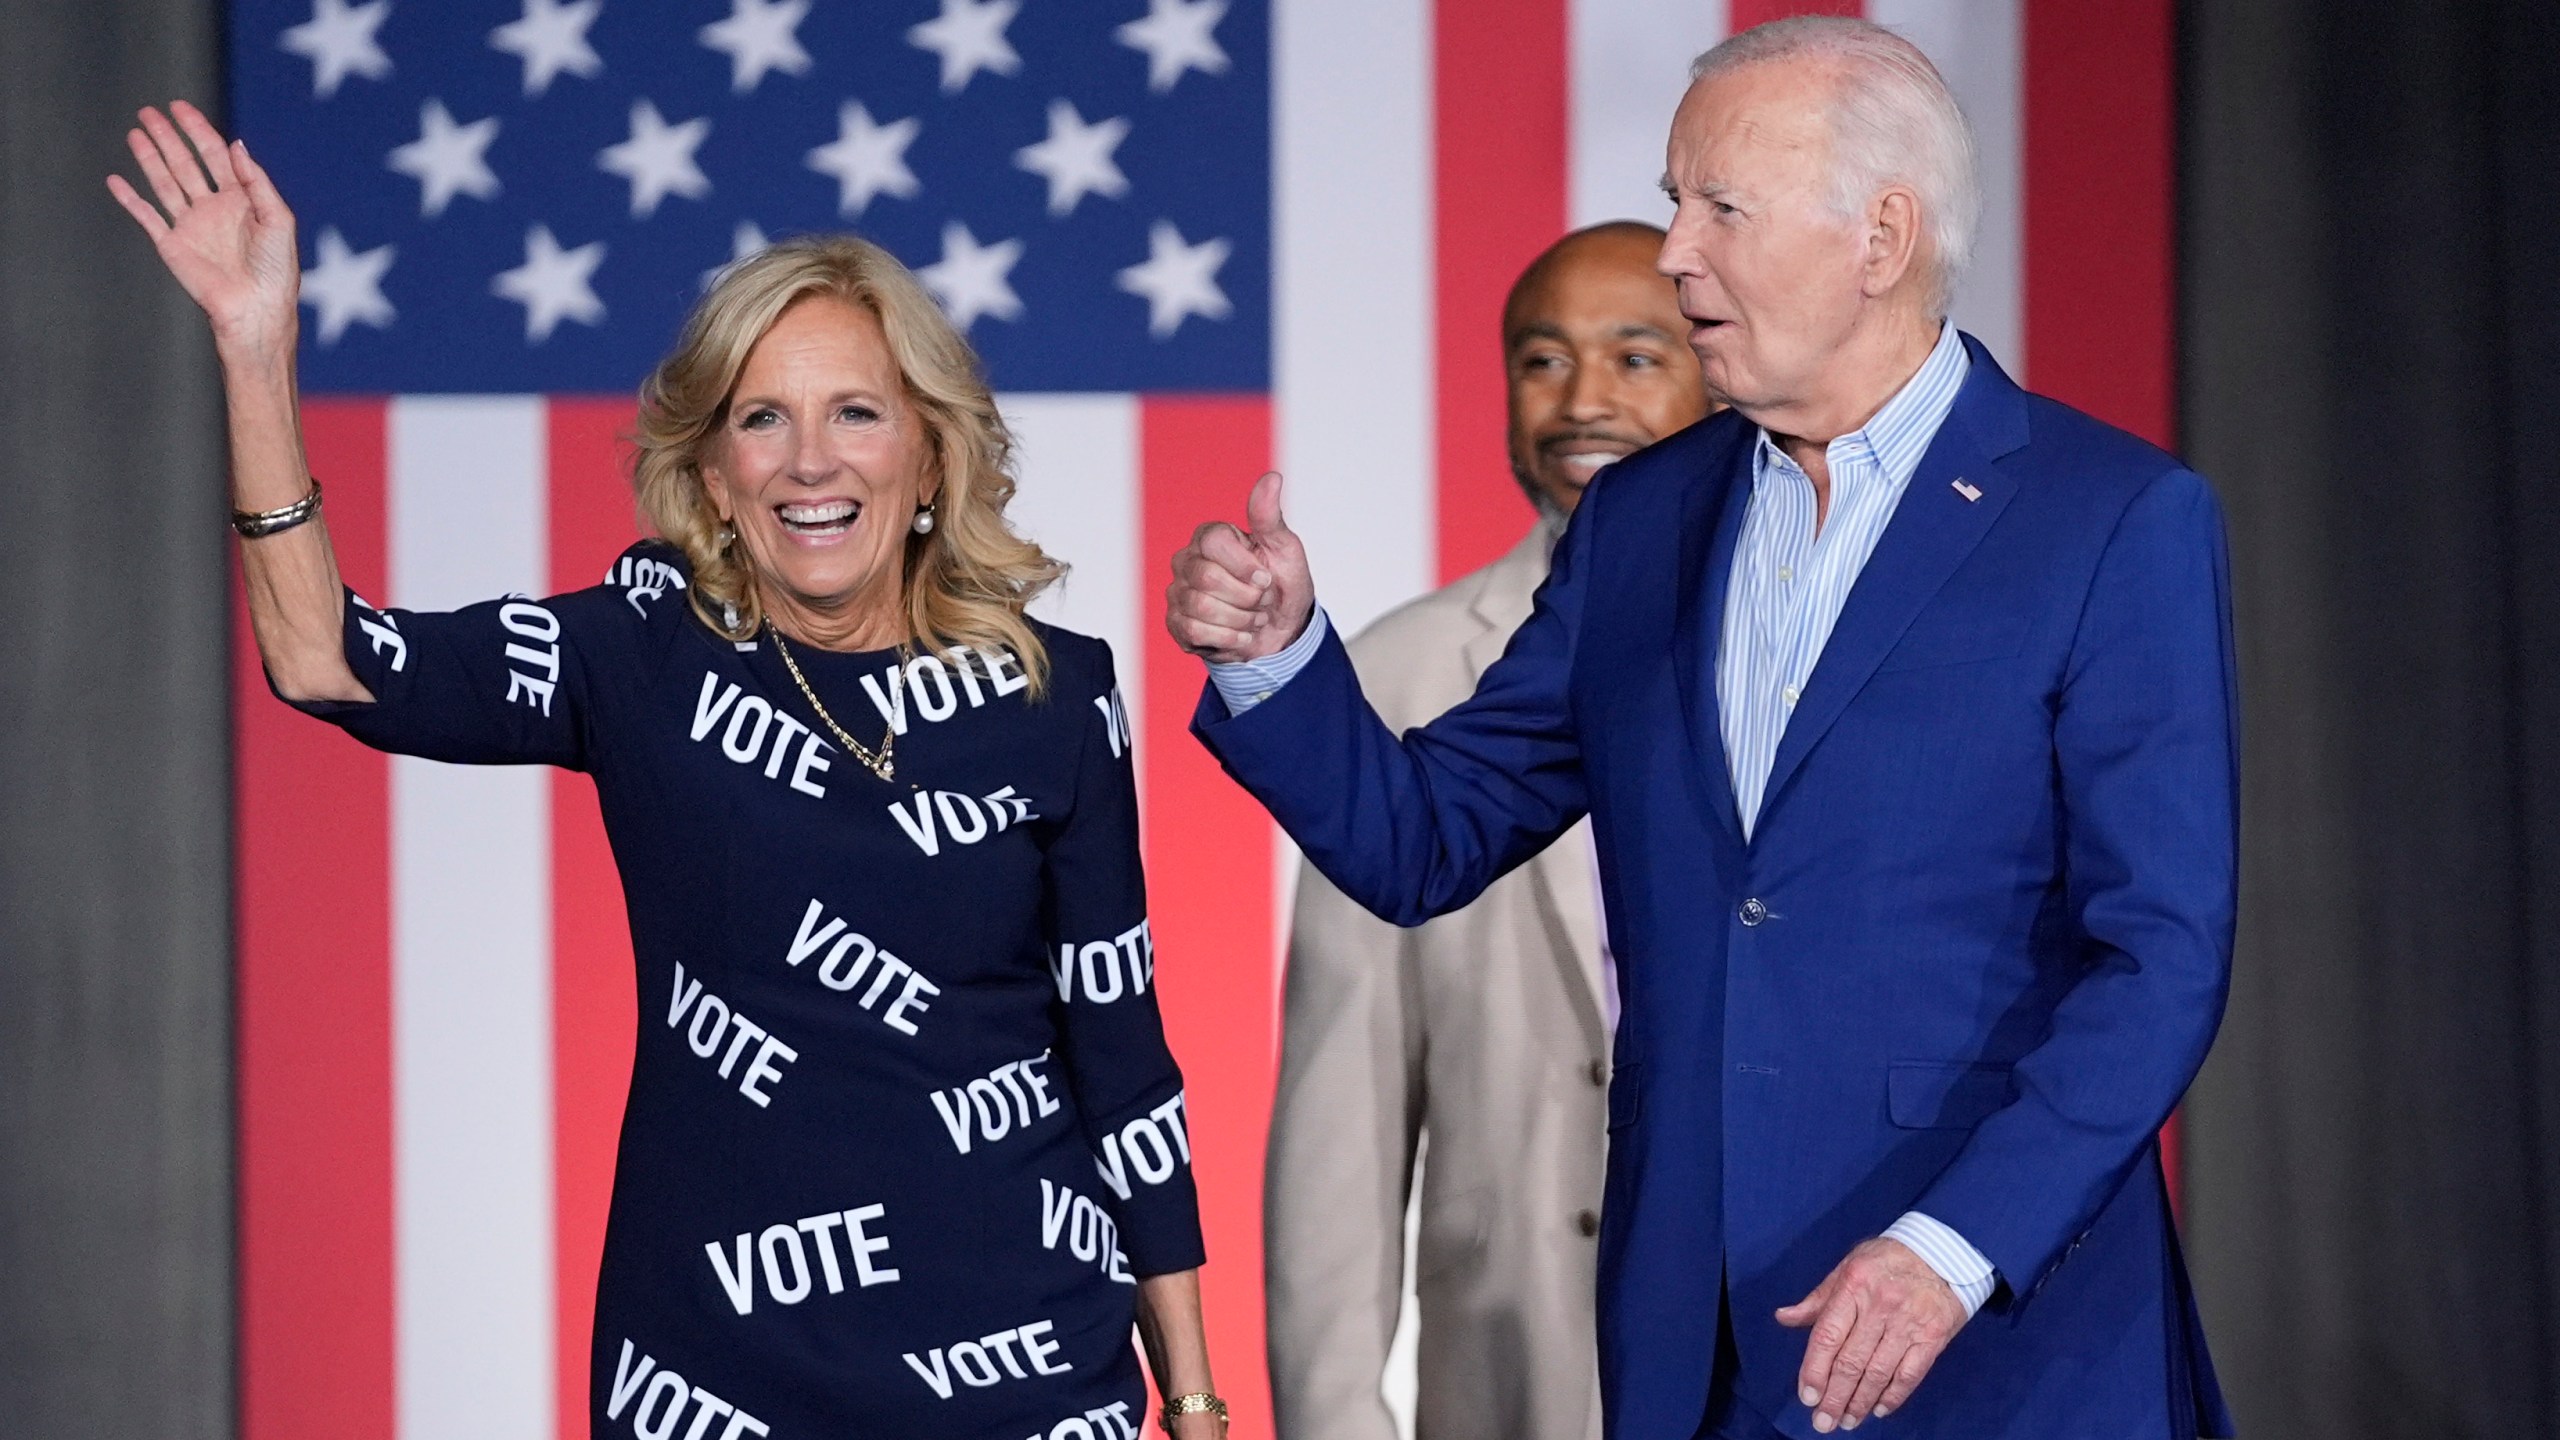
1539,500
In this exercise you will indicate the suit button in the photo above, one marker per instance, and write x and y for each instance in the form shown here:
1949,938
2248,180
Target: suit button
1588,1223
1599,1073
1753,912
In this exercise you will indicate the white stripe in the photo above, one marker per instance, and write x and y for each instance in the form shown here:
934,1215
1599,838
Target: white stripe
1080,497
1352,295
1629,66
1353,366
1978,46
471,962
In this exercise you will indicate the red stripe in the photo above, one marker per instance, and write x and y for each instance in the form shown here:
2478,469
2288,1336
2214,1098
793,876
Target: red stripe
1744,14
2100,91
594,1013
1209,858
1499,108
313,813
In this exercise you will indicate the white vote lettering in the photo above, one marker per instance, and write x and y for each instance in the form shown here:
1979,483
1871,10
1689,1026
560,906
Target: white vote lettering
795,1289
1012,1096
713,1021
384,632
931,685
1115,722
758,734
1004,672
989,1359
1088,1230
666,1397
643,579
891,702
1109,1422
1123,964
1153,1145
938,684
779,1256
854,955
965,819
745,748
536,624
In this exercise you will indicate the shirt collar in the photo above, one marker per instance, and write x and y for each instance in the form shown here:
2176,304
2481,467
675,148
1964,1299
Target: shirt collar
1897,435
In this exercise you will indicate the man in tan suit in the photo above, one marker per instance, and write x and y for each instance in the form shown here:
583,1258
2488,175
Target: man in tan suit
1487,1029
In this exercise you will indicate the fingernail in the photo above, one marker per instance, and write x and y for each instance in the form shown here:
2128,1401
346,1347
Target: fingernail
1809,1397
1849,1424
1824,1423
1261,577
1883,1410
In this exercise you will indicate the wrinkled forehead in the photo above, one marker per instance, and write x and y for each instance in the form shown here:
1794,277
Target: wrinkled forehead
1760,127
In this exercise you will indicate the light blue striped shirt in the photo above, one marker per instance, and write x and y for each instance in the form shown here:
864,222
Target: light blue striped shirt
1788,585
1789,579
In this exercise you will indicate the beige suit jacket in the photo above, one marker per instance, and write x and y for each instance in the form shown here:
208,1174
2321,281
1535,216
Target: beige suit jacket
1483,1028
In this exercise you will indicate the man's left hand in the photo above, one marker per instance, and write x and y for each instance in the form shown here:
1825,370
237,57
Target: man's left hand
1880,1320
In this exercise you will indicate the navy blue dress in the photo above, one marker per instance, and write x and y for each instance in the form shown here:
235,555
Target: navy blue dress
903,1127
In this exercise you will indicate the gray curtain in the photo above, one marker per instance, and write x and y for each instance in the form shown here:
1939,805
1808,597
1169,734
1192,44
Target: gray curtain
2372,375
115,1008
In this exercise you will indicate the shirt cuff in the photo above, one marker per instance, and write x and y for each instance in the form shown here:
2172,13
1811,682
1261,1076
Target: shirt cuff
1963,1268
1248,683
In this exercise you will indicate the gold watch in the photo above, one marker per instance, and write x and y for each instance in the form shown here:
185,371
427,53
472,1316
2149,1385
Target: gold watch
1199,1402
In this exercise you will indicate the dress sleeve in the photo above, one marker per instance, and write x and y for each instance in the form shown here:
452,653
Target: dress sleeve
1102,956
504,682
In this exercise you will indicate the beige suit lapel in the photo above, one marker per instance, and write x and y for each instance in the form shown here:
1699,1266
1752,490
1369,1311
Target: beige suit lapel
1563,872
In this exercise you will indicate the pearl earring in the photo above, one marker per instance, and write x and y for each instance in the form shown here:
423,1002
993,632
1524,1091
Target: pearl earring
924,520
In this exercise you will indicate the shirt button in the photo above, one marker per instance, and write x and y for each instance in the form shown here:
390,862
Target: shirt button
1599,1073
1588,1223
1786,572
1753,912
1790,693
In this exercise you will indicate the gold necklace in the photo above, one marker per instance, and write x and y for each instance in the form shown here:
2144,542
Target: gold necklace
881,762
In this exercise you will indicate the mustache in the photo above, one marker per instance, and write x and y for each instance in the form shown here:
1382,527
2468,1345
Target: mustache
1552,445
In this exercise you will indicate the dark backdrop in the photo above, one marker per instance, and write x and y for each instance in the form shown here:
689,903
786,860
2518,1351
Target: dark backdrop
2371,336
115,1145
2371,373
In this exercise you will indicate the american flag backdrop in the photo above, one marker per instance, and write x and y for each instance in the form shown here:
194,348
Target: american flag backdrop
1193,239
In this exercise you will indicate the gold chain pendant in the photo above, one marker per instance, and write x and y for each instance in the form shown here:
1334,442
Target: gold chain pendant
881,762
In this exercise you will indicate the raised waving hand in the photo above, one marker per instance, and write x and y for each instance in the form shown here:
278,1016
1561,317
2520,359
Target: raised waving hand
220,227
225,233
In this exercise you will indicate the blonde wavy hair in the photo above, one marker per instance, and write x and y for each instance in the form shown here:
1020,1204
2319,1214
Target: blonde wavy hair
966,582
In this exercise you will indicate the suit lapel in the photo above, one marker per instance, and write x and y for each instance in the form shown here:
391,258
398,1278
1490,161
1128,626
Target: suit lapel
1936,525
1710,522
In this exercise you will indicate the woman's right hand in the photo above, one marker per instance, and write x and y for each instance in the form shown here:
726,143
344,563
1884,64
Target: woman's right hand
229,240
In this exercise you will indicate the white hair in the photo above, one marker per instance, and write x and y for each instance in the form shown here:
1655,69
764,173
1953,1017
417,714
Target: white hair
1892,122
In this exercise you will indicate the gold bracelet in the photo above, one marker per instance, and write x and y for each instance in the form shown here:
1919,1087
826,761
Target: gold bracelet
1199,1402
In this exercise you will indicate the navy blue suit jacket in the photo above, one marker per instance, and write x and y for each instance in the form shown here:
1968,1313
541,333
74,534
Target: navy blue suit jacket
1972,955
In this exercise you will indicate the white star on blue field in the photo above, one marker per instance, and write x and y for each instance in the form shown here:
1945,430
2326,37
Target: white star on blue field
525,195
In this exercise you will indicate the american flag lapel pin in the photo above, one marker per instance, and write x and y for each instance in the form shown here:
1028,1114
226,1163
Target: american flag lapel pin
1968,491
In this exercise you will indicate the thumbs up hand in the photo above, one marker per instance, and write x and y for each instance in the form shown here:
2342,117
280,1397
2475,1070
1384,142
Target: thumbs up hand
1241,594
